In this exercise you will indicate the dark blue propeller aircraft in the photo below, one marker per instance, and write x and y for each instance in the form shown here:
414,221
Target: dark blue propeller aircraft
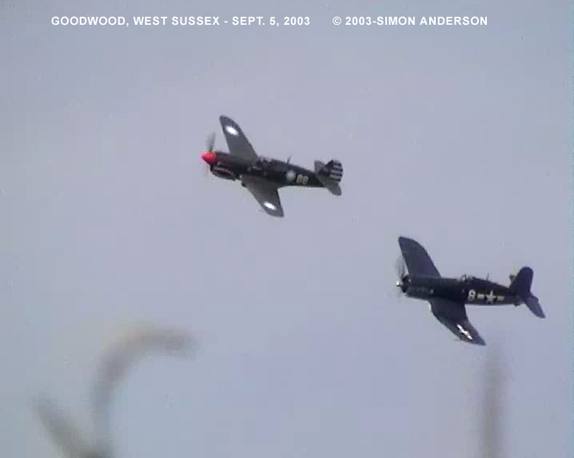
447,296
262,176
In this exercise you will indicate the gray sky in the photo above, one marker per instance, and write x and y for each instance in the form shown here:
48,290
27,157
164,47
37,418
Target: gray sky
460,138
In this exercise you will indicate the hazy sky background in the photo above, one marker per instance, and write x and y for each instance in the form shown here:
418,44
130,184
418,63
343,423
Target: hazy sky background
458,137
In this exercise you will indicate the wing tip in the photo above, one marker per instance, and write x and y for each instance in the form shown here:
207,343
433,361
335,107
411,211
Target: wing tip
226,120
272,209
408,244
406,240
471,335
477,340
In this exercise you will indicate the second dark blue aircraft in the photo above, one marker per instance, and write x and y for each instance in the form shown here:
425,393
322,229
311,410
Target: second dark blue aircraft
448,296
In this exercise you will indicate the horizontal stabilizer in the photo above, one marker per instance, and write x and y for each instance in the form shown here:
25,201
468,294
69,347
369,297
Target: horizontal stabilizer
533,305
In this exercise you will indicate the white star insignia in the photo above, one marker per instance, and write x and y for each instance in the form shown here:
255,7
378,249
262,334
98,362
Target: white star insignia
490,297
464,332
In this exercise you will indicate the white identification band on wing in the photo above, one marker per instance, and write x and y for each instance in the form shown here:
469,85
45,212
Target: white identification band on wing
269,205
232,130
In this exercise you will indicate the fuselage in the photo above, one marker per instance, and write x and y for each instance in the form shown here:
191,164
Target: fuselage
281,173
466,289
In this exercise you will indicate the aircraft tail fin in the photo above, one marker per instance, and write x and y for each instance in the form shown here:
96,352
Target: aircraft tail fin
330,175
521,285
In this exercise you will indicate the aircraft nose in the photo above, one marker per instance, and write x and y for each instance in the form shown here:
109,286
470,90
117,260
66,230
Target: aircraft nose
209,157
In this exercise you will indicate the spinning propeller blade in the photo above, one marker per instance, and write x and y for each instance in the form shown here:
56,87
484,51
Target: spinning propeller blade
401,272
210,142
210,148
400,268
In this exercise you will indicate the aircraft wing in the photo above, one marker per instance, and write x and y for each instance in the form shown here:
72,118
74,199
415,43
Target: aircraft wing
453,316
236,139
265,193
417,259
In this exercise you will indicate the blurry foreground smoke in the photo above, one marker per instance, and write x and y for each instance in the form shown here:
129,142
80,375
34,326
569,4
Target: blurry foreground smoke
64,434
113,367
492,415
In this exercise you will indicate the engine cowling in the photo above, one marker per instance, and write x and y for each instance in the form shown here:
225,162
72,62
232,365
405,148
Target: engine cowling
223,172
420,292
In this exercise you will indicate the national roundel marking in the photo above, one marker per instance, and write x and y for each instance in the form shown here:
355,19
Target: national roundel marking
232,130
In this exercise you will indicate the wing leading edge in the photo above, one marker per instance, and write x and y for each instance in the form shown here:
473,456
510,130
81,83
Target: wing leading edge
236,139
453,316
417,259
